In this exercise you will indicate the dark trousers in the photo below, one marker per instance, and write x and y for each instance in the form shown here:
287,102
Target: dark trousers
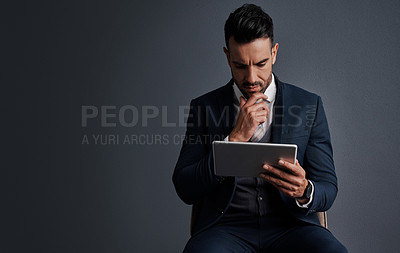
264,234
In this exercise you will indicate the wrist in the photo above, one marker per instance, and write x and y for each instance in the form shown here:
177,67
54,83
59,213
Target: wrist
306,202
306,193
302,201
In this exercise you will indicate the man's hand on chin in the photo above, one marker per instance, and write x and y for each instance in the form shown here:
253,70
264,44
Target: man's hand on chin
251,115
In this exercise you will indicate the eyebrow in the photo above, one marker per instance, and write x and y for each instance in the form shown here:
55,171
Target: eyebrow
240,63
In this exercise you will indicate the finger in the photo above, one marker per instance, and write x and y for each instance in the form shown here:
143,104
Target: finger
256,107
262,113
283,175
242,101
261,118
281,185
258,117
260,106
252,110
255,96
295,169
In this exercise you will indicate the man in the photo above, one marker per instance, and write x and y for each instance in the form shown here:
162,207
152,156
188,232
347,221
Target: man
275,212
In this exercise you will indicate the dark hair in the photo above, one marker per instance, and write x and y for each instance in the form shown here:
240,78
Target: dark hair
248,23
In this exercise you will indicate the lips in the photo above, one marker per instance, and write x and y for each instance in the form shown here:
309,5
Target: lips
252,88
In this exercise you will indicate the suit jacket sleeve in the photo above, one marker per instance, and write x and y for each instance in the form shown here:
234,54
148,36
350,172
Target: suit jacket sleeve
194,172
318,163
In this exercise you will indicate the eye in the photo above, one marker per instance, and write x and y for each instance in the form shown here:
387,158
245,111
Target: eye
260,65
239,66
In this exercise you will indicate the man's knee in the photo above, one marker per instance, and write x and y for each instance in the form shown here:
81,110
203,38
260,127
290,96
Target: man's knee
311,239
217,240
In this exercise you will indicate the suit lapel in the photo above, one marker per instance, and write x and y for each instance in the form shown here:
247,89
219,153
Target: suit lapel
276,131
226,108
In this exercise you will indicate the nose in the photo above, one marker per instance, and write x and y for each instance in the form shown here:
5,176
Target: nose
251,75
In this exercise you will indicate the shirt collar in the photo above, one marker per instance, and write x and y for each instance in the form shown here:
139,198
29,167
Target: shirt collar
270,91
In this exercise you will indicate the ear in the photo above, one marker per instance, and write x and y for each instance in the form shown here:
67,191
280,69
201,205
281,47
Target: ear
228,56
274,51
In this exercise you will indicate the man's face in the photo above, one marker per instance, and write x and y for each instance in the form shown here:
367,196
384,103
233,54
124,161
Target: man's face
251,64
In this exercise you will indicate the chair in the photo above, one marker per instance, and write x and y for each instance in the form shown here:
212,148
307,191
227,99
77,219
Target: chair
323,219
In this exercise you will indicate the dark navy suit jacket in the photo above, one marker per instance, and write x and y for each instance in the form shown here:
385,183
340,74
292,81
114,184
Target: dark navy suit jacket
299,118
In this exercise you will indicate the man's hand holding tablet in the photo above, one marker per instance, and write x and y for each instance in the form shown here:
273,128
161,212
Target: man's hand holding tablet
291,180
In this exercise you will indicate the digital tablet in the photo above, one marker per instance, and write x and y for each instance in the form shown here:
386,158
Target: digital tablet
245,159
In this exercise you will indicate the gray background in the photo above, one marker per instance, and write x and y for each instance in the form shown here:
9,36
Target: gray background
58,195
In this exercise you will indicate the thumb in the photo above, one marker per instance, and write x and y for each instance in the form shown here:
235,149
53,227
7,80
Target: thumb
242,101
